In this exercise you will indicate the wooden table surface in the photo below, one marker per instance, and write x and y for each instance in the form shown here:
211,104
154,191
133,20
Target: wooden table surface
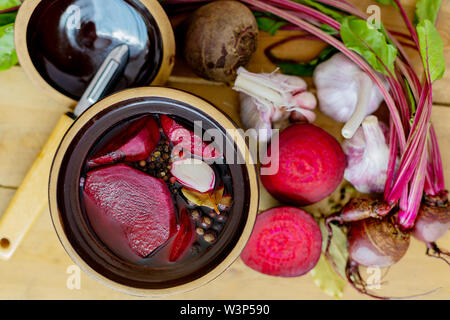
38,268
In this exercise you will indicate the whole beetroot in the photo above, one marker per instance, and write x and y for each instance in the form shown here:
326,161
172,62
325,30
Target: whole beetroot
219,38
376,242
311,165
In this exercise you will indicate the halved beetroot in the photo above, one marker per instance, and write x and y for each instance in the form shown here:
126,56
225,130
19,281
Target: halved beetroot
136,143
185,140
285,242
184,238
138,204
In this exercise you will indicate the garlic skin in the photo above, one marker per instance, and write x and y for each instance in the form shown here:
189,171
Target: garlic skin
256,116
345,92
368,156
269,100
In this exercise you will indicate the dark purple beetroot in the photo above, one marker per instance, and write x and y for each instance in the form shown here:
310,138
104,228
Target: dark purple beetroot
135,144
376,242
186,140
139,205
433,220
285,242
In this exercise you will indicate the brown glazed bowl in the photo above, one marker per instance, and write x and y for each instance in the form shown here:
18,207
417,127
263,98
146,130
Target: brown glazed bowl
72,224
62,43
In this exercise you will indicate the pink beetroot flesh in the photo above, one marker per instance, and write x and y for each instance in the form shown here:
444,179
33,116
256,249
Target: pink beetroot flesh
311,165
133,203
285,242
135,144
186,140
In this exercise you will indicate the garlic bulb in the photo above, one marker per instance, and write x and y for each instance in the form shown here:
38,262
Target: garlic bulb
268,100
345,92
256,116
367,156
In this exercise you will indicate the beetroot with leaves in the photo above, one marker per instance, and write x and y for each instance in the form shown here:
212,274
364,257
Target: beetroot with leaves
374,238
134,206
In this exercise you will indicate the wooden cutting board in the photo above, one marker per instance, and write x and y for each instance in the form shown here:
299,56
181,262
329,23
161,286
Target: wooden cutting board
38,270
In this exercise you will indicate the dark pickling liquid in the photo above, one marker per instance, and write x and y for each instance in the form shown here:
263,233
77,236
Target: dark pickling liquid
110,233
68,40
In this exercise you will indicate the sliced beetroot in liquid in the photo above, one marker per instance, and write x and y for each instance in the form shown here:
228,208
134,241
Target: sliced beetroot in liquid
137,143
139,205
285,242
183,239
185,139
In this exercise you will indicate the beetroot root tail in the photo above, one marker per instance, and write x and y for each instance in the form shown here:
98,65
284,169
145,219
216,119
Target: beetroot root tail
359,284
435,252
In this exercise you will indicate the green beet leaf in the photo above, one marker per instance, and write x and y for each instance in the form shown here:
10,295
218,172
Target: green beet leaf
8,56
387,2
269,25
427,10
431,50
336,15
306,69
268,22
8,4
7,18
412,100
370,43
328,29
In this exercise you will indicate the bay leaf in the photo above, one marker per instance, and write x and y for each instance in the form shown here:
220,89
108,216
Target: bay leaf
209,199
338,247
327,279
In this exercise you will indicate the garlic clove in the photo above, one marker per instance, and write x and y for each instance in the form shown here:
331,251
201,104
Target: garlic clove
361,108
303,115
257,116
194,174
269,99
292,84
367,156
345,92
306,100
262,87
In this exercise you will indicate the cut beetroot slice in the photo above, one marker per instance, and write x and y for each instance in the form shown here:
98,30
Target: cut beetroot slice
186,140
184,238
138,204
137,143
285,242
